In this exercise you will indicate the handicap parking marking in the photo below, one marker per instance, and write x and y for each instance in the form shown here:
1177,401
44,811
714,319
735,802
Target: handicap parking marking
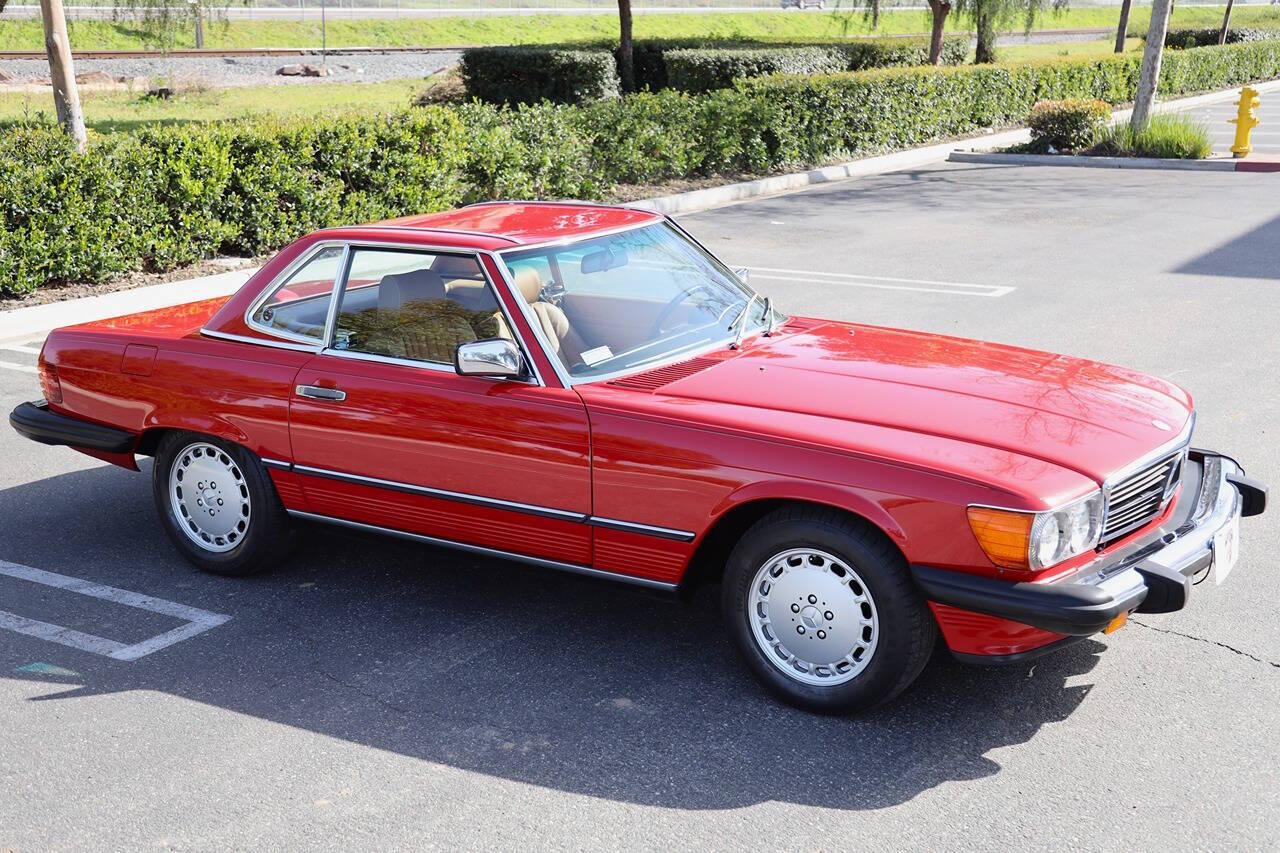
880,282
197,621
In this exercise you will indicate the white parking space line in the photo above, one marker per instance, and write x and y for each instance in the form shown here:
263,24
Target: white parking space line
879,282
197,621
21,368
17,348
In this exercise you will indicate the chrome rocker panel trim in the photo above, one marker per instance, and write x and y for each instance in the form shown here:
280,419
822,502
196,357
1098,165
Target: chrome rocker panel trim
575,568
493,503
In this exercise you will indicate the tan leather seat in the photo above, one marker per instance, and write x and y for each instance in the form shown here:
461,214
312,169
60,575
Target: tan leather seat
567,343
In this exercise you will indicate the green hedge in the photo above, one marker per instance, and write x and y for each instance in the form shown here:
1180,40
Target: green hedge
704,69
526,75
170,194
1208,36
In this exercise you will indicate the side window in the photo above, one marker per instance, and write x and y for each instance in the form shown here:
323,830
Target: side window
414,305
299,305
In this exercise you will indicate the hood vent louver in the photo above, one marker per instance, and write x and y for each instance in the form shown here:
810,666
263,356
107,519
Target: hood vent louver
655,379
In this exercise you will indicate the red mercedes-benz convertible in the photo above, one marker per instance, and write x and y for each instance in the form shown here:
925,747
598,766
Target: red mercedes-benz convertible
587,388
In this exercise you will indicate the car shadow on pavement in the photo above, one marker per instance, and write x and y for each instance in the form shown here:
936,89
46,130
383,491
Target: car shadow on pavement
1251,255
496,668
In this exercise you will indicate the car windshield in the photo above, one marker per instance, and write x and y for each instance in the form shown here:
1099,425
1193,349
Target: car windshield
616,303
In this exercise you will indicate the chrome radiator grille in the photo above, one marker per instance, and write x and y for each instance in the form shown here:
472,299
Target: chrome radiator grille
1141,495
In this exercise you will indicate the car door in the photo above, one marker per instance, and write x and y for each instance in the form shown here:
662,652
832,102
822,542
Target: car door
386,434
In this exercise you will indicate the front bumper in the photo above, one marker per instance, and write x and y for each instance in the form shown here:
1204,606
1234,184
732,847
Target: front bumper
1154,574
39,423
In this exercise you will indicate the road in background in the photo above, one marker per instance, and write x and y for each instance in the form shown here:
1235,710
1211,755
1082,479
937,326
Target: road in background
370,693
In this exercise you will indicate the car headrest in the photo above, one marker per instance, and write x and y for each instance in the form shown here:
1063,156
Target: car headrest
529,283
456,266
414,286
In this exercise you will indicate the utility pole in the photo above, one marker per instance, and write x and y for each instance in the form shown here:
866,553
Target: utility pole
1149,79
66,97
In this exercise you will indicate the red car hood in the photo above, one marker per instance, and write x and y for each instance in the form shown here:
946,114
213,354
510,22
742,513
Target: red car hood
1089,417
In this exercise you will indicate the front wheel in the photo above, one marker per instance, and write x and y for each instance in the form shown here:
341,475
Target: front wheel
823,611
218,505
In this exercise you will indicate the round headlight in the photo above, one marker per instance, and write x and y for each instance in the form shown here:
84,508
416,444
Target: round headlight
1065,533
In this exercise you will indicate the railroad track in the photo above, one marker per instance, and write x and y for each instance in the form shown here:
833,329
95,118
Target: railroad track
214,53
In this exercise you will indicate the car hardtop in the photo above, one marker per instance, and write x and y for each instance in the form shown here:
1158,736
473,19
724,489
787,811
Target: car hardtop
518,223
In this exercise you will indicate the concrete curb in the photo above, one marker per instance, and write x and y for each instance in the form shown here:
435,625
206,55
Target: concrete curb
698,200
23,324
1070,160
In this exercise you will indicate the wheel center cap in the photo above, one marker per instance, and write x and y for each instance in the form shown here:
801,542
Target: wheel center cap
811,617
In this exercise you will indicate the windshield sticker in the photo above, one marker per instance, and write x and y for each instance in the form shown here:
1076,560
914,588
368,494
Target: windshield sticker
597,355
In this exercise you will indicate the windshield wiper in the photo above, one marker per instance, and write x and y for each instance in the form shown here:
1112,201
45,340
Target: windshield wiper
742,319
768,316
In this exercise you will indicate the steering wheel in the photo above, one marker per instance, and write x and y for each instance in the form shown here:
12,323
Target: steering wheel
675,302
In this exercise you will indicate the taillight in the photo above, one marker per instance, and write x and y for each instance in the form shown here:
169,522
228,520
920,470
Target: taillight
49,382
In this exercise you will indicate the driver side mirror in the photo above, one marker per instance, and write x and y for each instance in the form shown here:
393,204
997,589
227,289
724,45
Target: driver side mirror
496,358
743,274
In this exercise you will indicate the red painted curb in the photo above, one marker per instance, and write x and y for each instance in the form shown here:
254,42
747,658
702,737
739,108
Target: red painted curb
1258,166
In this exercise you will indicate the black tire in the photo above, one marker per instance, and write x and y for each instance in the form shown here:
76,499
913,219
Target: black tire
268,536
906,629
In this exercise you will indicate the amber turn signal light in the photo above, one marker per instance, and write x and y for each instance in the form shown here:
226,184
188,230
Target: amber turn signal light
1005,535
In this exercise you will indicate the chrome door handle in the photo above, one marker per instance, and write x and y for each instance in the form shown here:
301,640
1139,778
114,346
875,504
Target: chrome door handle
315,392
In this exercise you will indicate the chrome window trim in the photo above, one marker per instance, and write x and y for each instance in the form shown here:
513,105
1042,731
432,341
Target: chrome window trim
331,315
262,342
576,568
279,281
351,246
561,370
526,310
493,503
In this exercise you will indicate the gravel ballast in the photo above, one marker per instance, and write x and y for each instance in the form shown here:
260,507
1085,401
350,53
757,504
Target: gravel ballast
225,71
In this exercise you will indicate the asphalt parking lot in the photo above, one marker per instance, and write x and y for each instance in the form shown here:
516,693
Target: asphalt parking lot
375,694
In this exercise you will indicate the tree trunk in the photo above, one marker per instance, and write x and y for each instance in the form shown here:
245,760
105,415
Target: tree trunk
1226,22
1149,79
66,97
984,23
1123,30
626,68
199,27
940,9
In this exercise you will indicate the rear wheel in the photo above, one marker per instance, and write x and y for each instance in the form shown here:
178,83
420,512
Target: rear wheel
823,611
218,505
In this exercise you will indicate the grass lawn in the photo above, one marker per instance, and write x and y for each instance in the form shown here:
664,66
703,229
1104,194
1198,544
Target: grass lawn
26,34
1073,49
113,111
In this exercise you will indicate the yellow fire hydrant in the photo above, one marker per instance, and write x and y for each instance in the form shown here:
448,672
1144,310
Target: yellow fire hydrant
1246,121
